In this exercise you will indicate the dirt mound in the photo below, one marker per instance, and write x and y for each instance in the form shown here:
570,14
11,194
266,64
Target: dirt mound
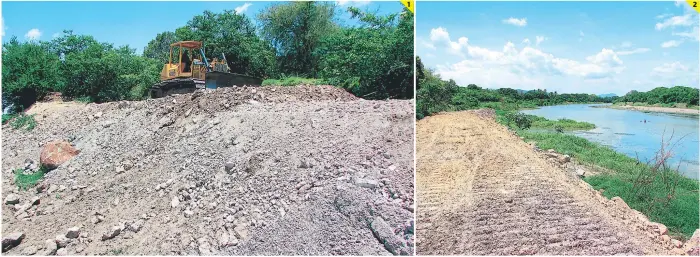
270,170
483,191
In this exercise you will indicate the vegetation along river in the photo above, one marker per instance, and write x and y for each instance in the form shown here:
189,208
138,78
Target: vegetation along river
628,133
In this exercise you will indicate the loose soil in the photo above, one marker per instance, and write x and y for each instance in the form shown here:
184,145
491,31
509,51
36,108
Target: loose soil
483,191
235,171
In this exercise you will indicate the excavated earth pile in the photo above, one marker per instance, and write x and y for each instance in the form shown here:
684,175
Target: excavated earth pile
308,170
483,191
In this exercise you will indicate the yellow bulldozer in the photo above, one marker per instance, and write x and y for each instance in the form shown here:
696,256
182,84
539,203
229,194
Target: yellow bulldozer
193,71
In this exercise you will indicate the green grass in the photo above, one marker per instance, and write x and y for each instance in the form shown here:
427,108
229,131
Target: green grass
566,124
25,182
7,117
21,121
681,213
84,99
293,81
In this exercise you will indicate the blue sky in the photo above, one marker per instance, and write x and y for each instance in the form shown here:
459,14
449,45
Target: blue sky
569,47
130,23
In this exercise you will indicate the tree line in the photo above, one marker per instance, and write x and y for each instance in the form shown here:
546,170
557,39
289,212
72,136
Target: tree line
663,95
435,94
373,59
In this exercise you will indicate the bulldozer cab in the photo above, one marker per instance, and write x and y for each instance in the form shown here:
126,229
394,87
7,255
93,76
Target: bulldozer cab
185,61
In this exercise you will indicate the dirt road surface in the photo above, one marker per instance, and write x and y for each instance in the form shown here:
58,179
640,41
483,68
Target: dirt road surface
256,171
483,191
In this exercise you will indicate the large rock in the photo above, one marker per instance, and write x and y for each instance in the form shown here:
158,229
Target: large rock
383,232
111,233
12,199
56,153
73,232
11,240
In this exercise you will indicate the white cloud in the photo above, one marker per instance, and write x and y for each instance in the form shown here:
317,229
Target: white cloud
671,43
2,26
527,67
242,8
685,26
674,21
356,3
693,34
33,34
515,21
626,44
670,68
633,51
539,39
439,35
526,41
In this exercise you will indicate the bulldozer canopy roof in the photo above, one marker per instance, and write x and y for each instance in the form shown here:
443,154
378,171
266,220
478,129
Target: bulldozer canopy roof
188,44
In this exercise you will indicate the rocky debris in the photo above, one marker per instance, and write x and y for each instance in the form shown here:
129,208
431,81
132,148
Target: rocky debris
241,232
62,252
366,183
264,144
676,243
29,250
580,172
564,159
50,247
136,226
111,233
175,202
692,246
228,167
12,199
11,240
56,153
97,218
383,232
657,227
62,241
73,232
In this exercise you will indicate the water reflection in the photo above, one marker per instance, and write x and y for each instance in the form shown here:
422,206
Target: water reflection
628,133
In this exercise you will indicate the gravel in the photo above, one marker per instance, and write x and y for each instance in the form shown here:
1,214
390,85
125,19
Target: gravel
217,174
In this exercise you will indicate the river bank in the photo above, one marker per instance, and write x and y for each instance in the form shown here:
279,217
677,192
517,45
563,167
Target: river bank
643,187
652,109
514,200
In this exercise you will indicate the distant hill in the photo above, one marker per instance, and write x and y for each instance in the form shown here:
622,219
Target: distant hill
607,95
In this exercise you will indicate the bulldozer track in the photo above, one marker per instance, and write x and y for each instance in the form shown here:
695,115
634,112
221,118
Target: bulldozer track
482,191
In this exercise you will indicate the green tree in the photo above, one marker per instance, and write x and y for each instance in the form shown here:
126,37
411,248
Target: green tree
295,30
374,60
159,47
29,72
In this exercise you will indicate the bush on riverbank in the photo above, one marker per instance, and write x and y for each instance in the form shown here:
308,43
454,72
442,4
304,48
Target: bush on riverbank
680,213
564,124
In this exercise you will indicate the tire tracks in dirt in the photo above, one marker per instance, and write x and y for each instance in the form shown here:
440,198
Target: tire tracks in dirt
482,191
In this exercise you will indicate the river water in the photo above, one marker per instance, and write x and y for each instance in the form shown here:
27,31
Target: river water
626,132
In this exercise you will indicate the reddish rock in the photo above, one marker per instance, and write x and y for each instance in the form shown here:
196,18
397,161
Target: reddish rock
56,153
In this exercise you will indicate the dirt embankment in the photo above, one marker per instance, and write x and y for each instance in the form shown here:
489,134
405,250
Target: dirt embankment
656,109
273,170
483,191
